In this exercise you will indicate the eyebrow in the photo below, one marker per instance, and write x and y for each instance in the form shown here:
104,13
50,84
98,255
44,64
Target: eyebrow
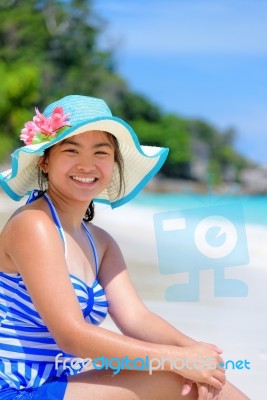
96,145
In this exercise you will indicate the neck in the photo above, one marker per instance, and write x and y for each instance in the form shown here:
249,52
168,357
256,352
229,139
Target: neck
71,213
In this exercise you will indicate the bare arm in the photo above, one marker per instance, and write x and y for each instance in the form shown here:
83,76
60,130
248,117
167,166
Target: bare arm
135,320
127,309
35,248
37,251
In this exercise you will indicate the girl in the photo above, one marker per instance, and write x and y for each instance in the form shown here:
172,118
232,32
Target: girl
61,275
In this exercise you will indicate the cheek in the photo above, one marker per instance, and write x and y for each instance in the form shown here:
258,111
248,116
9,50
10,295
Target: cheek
108,168
57,166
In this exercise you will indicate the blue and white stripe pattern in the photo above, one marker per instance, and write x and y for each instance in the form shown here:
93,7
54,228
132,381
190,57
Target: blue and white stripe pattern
27,349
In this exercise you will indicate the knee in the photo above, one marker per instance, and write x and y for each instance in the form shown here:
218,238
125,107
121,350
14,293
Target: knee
173,384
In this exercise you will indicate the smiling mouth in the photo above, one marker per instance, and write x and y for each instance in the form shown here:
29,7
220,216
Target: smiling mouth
83,179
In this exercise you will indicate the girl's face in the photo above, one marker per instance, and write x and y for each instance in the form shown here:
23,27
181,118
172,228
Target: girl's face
81,166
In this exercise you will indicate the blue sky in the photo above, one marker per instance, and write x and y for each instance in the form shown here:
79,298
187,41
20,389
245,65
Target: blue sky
197,58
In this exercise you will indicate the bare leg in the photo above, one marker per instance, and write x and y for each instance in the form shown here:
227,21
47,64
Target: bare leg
230,392
127,385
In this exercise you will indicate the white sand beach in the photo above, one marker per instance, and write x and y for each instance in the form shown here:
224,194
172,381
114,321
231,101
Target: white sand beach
235,324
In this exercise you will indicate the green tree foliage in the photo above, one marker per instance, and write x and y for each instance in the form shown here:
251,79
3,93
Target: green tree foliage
132,106
60,39
219,144
169,131
18,90
49,48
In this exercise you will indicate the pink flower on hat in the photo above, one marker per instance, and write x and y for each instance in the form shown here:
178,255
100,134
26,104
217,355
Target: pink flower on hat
42,128
28,132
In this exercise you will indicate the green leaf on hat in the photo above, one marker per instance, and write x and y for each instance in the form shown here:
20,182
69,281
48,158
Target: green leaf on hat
40,138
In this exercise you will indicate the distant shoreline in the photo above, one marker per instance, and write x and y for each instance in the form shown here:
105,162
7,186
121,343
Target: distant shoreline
172,185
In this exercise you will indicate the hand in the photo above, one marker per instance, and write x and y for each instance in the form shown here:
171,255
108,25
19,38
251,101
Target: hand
186,388
212,347
205,392
202,365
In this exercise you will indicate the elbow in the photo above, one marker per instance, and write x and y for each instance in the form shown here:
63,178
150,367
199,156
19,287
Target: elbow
66,344
69,339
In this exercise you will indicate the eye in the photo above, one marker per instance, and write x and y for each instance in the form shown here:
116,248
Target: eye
103,153
70,151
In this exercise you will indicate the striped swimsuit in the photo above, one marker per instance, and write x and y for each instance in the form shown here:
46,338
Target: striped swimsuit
27,349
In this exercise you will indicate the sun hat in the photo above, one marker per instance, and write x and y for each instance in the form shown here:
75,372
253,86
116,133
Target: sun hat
70,116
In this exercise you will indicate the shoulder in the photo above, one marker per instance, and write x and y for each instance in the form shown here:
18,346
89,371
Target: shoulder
104,241
26,226
100,235
26,237
27,218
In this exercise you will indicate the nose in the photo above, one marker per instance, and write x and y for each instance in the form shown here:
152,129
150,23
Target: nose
86,164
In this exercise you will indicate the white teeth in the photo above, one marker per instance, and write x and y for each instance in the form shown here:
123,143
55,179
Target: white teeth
85,180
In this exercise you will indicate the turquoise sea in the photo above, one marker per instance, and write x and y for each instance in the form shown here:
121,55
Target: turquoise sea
254,206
